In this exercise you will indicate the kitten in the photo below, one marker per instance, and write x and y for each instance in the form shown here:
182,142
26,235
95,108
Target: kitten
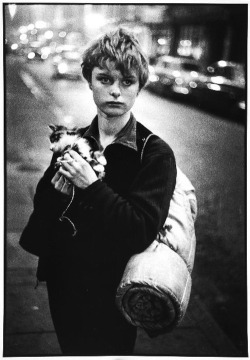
63,139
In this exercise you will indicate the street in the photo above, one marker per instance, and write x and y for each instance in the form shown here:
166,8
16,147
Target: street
209,149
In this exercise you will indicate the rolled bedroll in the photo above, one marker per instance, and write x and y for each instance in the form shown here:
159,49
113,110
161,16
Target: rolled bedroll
155,288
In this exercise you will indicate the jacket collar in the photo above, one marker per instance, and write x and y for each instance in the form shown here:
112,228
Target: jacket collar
126,137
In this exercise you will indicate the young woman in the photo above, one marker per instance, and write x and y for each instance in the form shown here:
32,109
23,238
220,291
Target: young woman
83,254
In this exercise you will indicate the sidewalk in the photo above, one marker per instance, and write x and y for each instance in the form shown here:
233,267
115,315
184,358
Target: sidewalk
29,330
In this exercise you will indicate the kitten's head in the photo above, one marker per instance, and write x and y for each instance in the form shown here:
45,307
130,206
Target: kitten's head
61,137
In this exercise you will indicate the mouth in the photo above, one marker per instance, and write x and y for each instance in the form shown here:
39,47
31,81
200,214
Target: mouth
114,103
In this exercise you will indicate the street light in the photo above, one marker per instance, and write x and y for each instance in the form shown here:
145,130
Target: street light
12,10
94,21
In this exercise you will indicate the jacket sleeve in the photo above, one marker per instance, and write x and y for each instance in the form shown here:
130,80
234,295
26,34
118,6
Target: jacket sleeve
133,221
47,207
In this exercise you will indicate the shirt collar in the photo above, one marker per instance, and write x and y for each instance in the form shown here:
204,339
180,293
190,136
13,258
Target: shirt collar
126,136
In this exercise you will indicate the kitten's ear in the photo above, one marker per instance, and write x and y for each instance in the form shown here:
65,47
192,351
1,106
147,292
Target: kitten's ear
52,127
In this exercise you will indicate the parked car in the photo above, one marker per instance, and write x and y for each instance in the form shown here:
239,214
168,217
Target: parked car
223,88
174,75
36,51
67,64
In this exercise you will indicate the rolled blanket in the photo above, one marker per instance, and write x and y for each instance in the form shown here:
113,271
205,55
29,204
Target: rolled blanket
156,284
149,295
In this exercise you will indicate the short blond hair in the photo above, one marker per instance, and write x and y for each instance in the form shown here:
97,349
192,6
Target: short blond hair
120,47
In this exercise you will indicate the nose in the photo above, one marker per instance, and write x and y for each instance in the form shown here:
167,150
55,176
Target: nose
115,90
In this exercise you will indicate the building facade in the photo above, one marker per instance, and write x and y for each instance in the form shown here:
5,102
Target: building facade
206,33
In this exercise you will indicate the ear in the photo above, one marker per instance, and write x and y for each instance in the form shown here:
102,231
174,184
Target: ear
52,127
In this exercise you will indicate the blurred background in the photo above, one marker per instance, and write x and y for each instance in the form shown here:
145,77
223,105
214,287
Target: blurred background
195,100
196,52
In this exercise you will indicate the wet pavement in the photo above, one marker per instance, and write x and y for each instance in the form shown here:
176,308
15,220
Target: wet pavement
28,330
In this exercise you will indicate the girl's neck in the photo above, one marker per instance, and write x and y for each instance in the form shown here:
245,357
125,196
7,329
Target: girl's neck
111,126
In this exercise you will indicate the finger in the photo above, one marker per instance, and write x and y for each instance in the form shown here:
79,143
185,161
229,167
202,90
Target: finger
75,156
67,173
67,186
67,165
66,191
67,157
70,163
55,178
66,161
60,183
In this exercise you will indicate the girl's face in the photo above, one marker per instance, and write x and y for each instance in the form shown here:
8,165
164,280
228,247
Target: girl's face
114,94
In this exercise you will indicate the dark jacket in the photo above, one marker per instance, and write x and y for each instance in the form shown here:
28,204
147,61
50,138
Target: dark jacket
114,217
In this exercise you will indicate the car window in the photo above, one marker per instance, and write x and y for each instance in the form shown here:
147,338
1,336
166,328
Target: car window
190,67
226,72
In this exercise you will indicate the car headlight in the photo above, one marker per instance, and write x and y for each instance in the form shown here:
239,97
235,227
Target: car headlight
242,105
214,87
193,84
14,46
179,81
31,55
217,79
62,68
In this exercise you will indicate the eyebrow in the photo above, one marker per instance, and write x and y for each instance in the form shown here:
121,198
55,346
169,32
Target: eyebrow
107,73
130,77
102,74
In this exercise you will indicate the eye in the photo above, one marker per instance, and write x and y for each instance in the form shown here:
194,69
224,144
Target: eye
104,80
130,80
127,82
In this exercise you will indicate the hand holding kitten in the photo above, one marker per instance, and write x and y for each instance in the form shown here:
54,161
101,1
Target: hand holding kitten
80,163
77,170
